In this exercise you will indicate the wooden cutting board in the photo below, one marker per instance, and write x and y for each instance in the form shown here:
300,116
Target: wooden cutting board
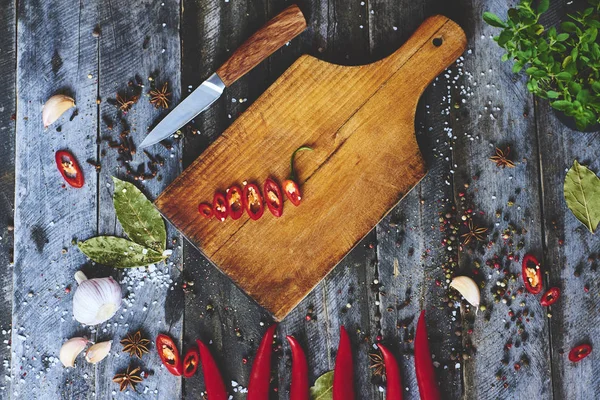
360,123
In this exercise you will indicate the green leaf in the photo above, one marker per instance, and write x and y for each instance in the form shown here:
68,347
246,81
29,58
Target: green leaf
562,37
552,94
596,86
493,20
543,6
562,105
138,217
117,252
568,26
323,389
582,194
563,76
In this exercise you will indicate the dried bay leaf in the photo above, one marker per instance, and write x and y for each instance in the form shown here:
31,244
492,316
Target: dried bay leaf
323,388
117,252
582,194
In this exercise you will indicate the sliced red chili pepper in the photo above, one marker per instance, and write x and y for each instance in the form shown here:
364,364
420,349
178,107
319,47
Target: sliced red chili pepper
273,197
69,168
290,186
220,209
299,389
426,379
253,201
260,376
343,372
580,352
532,274
190,363
215,388
235,202
169,355
550,296
205,210
392,374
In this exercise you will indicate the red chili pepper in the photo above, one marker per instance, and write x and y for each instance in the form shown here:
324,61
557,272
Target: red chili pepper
532,274
299,389
273,197
253,201
392,374
426,379
260,376
290,186
343,372
190,363
169,355
235,202
69,168
580,352
220,209
550,296
205,210
215,388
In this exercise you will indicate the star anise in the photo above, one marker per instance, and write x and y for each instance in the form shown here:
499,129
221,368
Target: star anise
128,378
135,344
377,364
474,233
500,158
160,97
124,103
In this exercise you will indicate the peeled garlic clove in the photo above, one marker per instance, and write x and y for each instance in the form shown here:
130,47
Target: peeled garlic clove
98,352
95,300
468,288
55,107
71,349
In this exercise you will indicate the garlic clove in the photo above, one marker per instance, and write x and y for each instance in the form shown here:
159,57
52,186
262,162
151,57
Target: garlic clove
98,352
96,300
71,349
54,107
468,288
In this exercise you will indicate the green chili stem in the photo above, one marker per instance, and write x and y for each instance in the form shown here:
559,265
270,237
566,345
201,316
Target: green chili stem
292,172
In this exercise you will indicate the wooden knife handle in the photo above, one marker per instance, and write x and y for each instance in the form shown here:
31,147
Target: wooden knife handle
278,31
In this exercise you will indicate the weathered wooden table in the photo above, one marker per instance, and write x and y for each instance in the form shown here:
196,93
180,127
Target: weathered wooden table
91,50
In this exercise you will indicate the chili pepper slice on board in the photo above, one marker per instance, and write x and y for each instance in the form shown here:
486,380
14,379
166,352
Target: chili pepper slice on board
299,389
392,374
273,197
253,202
532,274
220,209
69,168
580,352
550,296
260,376
169,355
290,185
205,210
426,379
235,202
343,372
215,388
190,363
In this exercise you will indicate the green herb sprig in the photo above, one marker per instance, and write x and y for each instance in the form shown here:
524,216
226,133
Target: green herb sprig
563,65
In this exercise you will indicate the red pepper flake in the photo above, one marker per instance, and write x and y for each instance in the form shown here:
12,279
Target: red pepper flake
580,352
69,168
273,197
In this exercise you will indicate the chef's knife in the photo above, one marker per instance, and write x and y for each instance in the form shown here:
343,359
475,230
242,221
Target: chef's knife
278,31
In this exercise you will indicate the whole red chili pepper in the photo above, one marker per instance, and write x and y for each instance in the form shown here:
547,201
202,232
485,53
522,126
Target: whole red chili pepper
299,389
392,374
169,355
220,209
235,202
273,197
69,168
260,376
253,201
580,352
550,297
426,379
290,185
532,274
190,363
215,388
205,210
343,372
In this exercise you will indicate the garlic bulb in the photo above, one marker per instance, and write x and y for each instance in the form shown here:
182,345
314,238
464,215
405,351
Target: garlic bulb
468,288
96,300
71,349
98,352
54,107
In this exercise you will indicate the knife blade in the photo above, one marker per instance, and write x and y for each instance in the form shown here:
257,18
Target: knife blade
273,35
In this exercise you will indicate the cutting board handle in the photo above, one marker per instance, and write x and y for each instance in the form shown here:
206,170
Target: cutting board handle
273,35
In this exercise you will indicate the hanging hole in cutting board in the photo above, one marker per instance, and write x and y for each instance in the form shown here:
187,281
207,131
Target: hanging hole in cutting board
437,42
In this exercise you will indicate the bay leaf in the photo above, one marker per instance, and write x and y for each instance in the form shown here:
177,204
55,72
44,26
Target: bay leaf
323,388
582,194
117,252
140,220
